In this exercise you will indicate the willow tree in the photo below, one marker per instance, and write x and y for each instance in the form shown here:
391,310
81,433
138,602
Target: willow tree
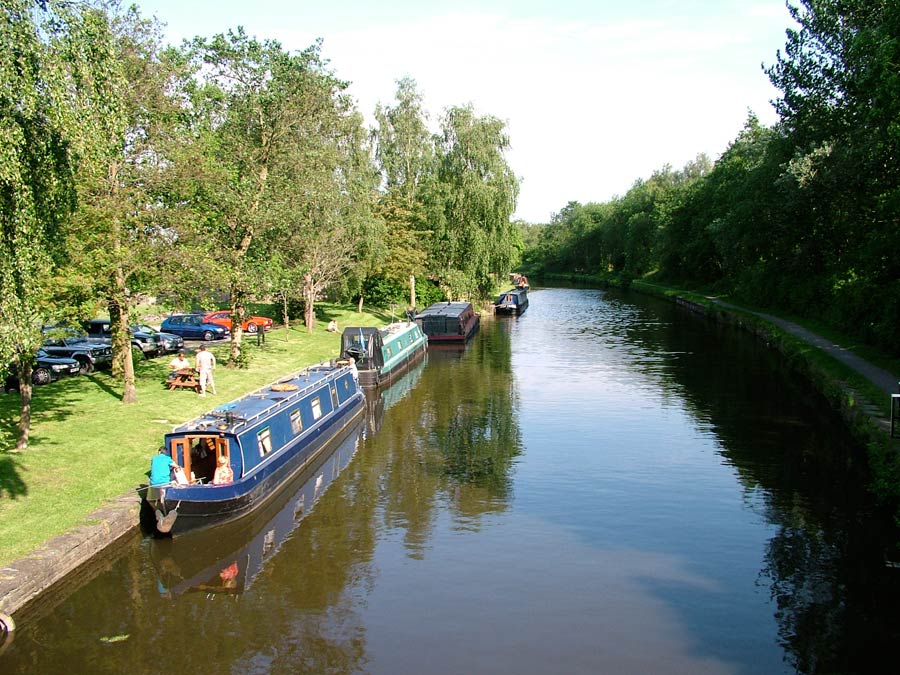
115,239
255,109
404,152
475,240
37,163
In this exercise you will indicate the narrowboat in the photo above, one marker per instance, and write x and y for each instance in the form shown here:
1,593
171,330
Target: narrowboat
513,301
449,321
519,280
227,559
266,437
383,354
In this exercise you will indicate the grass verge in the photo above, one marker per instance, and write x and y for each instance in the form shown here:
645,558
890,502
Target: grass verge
86,446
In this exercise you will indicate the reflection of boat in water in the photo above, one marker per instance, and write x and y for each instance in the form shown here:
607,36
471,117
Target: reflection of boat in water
266,437
226,559
383,354
449,322
379,401
513,301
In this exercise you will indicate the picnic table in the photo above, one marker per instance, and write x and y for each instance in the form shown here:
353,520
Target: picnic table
186,378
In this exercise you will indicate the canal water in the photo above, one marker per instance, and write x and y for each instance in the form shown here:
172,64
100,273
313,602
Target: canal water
606,484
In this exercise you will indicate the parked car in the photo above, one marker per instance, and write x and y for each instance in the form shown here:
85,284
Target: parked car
166,343
251,324
102,328
46,369
192,326
91,353
145,338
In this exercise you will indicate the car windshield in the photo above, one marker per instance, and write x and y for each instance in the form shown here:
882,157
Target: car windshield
144,329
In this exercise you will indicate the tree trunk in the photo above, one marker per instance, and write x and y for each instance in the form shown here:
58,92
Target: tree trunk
25,390
117,368
284,317
123,359
129,395
309,312
238,314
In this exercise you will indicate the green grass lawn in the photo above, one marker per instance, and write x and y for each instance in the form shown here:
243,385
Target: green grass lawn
86,446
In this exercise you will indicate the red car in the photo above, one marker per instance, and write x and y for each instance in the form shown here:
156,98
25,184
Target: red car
251,323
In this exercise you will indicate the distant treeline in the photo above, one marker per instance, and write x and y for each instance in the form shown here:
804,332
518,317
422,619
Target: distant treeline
802,216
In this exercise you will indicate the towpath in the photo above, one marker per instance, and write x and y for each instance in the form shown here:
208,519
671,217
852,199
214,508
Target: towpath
887,382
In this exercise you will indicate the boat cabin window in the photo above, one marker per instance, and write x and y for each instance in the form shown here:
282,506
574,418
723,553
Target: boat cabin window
296,421
316,404
334,398
264,440
389,351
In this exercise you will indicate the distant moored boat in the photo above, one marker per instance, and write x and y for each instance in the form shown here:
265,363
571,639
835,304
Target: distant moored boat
449,321
513,301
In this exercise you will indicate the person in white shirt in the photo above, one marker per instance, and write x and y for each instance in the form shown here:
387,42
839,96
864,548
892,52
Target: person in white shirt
205,364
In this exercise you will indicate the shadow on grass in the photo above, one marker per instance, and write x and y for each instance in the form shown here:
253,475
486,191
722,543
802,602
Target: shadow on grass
11,484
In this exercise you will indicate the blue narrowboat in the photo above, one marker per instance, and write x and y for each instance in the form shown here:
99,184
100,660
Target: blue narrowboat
449,321
513,301
266,437
383,354
227,559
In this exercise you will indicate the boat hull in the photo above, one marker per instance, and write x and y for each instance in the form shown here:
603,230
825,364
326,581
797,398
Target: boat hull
376,377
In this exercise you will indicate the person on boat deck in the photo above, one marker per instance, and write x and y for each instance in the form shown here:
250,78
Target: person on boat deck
161,467
332,326
223,474
206,363
178,363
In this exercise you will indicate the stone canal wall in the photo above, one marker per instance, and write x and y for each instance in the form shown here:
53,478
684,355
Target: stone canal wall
24,580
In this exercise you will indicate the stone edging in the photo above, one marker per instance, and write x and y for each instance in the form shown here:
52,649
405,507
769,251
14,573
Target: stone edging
23,580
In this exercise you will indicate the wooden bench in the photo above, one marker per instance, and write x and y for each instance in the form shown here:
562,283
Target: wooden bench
186,378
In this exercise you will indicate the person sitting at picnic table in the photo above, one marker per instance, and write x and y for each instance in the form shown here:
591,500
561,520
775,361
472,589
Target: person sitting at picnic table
161,467
223,474
177,364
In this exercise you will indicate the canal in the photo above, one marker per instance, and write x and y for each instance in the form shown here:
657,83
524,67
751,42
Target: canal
606,484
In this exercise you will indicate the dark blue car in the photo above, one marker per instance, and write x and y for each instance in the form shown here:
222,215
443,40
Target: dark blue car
193,327
46,369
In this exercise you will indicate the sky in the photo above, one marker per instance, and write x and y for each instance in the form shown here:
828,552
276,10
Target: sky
596,94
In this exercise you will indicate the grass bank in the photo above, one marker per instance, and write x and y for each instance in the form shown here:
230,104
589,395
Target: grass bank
86,446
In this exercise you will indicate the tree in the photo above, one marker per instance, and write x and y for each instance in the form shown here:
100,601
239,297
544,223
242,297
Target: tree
267,126
37,163
116,232
475,240
404,151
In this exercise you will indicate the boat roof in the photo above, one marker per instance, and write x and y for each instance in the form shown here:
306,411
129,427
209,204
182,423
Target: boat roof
391,329
453,309
514,291
228,417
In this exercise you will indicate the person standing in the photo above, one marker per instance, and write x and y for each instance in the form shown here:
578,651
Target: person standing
205,364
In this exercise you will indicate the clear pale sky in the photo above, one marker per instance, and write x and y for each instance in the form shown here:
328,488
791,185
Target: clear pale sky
596,94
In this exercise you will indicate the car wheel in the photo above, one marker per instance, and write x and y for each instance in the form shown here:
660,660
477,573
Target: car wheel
252,327
41,376
208,335
86,367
